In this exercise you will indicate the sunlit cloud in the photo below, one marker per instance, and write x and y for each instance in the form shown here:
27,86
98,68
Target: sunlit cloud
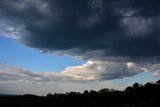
90,71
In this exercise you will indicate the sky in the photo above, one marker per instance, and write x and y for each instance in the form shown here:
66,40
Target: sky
57,46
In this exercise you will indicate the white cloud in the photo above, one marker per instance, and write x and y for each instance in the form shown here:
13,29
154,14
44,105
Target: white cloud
86,71
91,75
154,68
10,74
89,71
102,70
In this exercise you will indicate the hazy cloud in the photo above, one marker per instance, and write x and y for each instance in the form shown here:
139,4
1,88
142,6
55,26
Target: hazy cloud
11,74
155,68
137,26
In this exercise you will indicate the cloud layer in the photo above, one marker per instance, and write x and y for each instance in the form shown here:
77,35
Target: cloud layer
90,71
114,37
91,75
124,28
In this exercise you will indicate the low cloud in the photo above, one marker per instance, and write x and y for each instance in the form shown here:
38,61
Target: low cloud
10,74
90,71
101,71
154,68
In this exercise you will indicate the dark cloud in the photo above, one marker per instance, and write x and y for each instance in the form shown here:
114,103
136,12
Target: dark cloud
124,28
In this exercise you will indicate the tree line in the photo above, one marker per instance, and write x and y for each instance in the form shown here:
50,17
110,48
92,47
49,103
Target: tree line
137,95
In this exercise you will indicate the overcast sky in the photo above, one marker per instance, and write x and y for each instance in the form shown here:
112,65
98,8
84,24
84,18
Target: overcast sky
59,46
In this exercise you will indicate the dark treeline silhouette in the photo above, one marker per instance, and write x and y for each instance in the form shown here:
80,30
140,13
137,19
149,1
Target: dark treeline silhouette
138,95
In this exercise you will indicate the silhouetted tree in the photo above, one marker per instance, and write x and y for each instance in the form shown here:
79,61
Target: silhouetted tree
105,90
158,82
129,90
133,96
86,92
135,86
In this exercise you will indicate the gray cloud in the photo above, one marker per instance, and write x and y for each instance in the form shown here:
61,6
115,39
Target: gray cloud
103,70
109,33
154,68
122,28
11,74
90,71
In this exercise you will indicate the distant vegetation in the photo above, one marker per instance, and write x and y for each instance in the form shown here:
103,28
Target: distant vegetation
138,95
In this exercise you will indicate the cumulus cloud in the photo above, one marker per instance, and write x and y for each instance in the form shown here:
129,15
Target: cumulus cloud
109,33
100,70
90,71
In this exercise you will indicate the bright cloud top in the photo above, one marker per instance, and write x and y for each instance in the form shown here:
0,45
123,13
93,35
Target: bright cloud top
90,71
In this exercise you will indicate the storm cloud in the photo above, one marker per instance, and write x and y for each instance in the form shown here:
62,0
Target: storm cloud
125,28
97,30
